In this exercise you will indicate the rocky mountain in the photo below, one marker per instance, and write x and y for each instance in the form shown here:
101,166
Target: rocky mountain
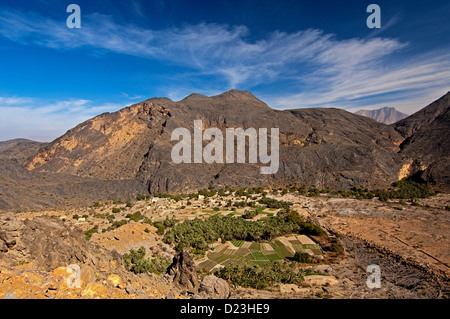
426,140
324,147
117,154
386,115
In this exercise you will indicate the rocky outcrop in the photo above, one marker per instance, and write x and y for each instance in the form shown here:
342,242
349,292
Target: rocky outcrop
184,272
49,243
427,141
212,287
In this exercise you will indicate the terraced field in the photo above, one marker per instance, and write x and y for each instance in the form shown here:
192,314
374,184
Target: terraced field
253,253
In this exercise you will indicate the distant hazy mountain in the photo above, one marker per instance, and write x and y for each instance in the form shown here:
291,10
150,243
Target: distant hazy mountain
386,115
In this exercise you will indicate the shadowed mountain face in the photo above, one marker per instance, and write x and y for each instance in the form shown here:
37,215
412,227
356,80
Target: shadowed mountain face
385,115
131,148
427,140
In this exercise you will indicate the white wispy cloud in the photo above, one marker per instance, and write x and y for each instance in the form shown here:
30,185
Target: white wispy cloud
41,120
322,69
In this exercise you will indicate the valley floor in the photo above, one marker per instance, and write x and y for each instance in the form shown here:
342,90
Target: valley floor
409,243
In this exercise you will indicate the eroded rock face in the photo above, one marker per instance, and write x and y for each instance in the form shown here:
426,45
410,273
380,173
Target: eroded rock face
49,243
184,270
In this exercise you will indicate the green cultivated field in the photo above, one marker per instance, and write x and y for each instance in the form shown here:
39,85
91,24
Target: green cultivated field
255,254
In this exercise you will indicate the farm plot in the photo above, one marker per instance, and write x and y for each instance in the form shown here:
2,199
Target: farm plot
253,253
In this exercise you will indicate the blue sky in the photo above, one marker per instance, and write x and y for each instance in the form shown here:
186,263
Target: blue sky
290,54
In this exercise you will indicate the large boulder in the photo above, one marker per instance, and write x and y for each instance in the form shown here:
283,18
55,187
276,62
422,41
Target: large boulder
184,271
212,287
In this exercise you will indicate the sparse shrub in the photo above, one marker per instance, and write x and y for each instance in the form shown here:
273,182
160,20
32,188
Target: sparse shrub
115,224
116,210
249,214
302,258
136,262
140,197
336,247
160,228
88,234
137,216
414,203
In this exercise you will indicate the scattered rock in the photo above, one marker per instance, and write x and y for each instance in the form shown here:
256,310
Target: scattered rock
7,238
10,295
170,295
130,290
3,247
325,269
95,290
289,288
116,281
318,280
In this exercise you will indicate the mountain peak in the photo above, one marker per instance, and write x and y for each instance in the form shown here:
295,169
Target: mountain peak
237,94
387,115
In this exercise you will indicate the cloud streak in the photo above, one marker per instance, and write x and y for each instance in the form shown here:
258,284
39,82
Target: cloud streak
42,120
321,69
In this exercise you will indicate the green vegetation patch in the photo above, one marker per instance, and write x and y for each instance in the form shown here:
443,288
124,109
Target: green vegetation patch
134,261
221,258
273,257
258,255
199,233
261,275
237,243
281,249
207,265
255,246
